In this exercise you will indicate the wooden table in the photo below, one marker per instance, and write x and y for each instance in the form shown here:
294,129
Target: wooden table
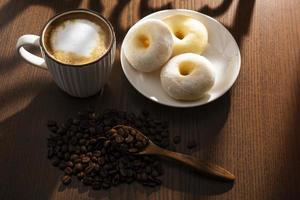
253,130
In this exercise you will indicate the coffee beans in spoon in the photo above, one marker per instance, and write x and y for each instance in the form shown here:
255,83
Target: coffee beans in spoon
128,139
85,146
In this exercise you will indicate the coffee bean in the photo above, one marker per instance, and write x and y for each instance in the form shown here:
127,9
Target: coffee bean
60,142
165,133
87,180
139,137
137,163
82,141
83,149
61,131
158,138
76,121
139,145
149,184
129,139
73,129
97,167
112,171
119,139
107,143
106,128
157,181
142,177
73,140
60,155
154,173
78,167
94,159
68,170
106,185
66,156
104,173
191,144
101,161
148,170
78,160
55,162
145,113
116,179
96,185
164,142
66,180
53,129
92,130
69,164
64,148
80,175
85,159
51,123
123,147
176,139
97,153
107,166
50,153
133,150
89,169
159,169
79,135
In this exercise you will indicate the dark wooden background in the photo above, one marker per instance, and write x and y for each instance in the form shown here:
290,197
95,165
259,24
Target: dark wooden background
253,130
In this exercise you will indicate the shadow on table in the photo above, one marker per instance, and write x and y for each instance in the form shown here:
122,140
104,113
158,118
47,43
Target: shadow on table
29,174
288,184
191,183
115,19
239,28
145,9
26,144
209,120
219,10
116,14
12,8
242,20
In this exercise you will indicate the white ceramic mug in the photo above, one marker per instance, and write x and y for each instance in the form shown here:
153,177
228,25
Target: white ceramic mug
79,81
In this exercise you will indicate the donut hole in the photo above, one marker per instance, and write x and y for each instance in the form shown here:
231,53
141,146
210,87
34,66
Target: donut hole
143,41
186,68
179,34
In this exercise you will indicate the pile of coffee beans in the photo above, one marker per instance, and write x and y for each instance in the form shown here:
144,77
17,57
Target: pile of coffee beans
85,146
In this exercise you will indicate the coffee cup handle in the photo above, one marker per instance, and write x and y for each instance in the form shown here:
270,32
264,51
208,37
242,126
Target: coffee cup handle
30,40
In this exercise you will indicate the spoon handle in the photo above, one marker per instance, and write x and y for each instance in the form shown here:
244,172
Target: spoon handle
206,168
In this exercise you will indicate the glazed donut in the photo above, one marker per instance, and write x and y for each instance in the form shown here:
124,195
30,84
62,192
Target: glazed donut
190,35
187,76
148,45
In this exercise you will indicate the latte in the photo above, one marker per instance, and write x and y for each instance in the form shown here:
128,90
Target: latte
77,41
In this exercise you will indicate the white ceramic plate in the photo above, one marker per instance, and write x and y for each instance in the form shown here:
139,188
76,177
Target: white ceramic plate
222,51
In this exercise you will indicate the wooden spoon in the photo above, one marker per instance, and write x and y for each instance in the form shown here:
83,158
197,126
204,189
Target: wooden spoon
203,167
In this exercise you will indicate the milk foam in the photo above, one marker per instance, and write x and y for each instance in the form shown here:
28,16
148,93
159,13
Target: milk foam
78,36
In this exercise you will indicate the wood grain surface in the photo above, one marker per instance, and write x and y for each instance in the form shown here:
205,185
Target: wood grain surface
253,130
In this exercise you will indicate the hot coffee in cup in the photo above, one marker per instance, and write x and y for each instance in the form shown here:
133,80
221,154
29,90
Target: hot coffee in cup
78,48
78,39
